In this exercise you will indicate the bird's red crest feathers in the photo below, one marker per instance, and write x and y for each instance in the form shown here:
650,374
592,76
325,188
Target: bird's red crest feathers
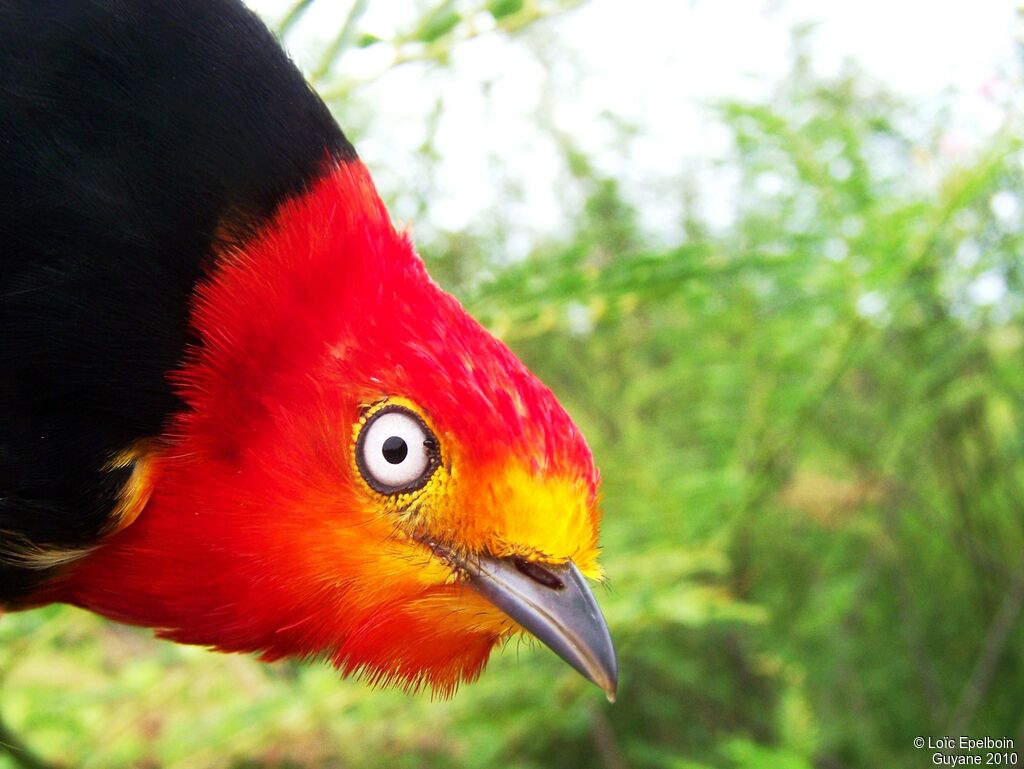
262,535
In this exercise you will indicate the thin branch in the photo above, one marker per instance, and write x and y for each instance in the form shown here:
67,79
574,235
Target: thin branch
409,51
340,42
289,19
606,742
15,747
995,643
1018,742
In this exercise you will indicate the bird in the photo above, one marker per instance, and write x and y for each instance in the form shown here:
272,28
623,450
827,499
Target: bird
234,406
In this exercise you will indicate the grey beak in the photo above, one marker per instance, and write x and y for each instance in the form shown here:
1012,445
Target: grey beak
556,605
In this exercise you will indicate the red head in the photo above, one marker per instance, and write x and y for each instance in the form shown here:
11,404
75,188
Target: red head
353,444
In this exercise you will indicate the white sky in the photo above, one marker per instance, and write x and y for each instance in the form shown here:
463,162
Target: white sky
653,64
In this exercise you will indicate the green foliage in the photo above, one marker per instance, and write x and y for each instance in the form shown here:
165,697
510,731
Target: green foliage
810,428
499,9
438,23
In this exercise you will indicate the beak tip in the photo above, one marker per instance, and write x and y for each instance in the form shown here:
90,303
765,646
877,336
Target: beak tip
608,678
562,613
610,686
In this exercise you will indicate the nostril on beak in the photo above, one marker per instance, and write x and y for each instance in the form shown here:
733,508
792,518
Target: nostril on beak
553,602
538,573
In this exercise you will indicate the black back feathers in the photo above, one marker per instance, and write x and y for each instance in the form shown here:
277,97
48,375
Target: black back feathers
132,134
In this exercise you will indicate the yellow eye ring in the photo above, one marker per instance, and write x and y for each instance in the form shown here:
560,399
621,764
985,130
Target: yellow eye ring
395,451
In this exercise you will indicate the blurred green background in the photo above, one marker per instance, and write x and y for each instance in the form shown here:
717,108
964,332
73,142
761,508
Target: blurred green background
808,411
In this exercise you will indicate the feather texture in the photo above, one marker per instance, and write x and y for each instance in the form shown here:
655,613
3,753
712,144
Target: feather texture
133,136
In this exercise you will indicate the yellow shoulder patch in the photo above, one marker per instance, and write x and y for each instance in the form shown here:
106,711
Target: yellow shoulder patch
136,490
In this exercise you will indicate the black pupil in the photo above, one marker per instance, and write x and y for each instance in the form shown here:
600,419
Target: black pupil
395,450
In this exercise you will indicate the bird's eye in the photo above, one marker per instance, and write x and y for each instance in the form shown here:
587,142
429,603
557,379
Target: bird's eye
395,451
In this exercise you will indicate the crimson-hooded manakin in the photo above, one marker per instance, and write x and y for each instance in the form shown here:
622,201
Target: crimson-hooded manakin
234,407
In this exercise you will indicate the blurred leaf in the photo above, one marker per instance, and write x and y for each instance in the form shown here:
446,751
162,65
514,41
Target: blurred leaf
438,23
499,9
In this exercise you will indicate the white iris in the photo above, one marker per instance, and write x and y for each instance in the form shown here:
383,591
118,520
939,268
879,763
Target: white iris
393,448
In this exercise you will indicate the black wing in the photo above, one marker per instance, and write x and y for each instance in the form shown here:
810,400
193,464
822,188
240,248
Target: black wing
132,134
